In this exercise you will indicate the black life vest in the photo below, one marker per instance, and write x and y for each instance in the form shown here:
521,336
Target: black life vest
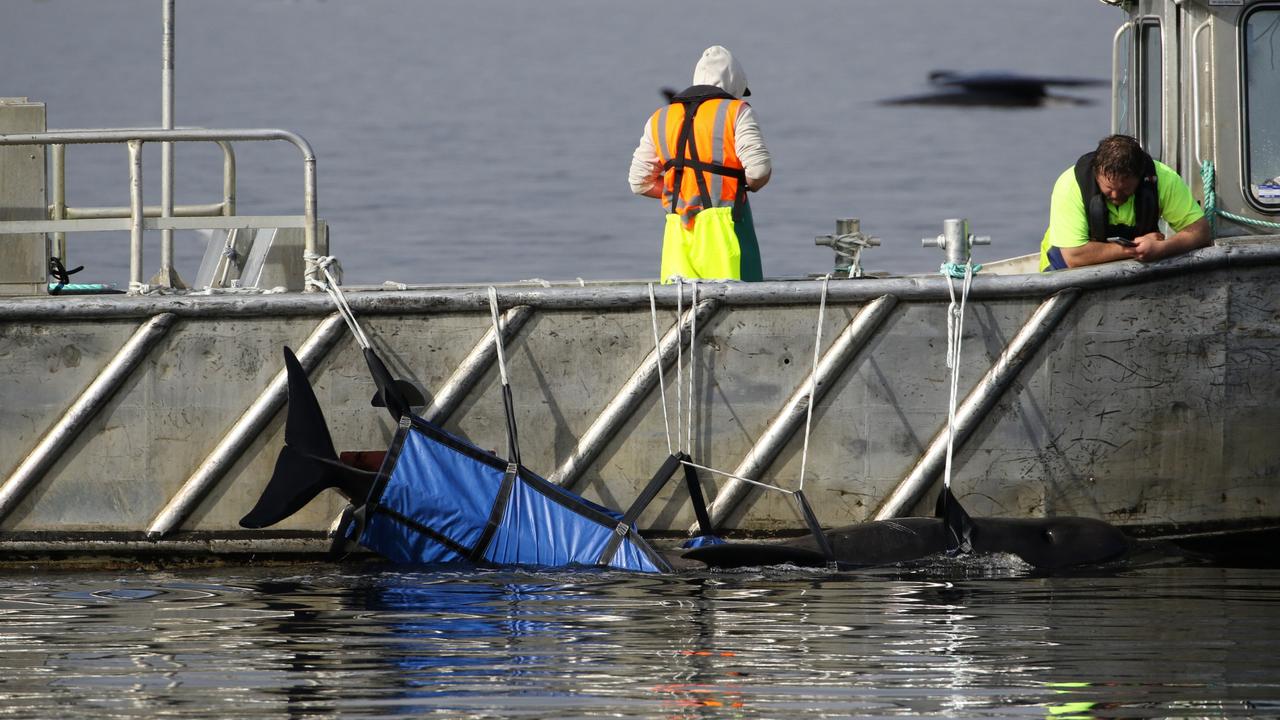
1146,202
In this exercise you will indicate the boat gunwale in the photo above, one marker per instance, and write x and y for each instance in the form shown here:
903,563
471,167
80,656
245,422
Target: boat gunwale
631,295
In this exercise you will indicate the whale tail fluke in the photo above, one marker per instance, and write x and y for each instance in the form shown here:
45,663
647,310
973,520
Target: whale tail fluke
307,464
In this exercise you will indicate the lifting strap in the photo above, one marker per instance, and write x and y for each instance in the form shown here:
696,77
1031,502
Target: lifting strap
659,480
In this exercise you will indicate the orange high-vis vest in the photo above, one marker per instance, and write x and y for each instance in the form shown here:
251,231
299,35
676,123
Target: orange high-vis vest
705,164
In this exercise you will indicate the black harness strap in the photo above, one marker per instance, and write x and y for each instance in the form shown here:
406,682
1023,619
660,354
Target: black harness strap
419,527
660,478
685,155
513,438
476,554
695,498
959,525
812,521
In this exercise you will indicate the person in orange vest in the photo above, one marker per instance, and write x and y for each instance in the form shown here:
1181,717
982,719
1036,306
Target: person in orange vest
700,155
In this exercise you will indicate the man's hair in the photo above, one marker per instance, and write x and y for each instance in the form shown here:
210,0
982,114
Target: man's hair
1119,156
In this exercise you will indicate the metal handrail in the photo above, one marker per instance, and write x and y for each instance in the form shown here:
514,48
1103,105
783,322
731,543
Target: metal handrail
1115,74
59,210
134,138
1195,90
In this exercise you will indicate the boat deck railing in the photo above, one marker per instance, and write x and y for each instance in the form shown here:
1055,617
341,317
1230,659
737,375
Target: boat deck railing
138,218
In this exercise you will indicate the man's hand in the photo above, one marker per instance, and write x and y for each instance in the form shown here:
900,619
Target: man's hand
1155,246
1149,247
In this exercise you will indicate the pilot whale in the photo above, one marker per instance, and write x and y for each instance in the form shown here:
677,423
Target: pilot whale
1048,544
437,498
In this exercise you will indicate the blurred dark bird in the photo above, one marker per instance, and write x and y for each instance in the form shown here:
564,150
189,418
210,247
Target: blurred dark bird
996,89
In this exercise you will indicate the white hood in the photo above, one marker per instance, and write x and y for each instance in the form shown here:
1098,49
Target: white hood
719,67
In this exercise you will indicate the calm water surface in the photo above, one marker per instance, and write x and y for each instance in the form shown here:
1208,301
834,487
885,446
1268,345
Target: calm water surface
976,640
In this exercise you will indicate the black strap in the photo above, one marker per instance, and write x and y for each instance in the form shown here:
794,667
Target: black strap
696,499
513,439
508,480
814,528
685,155
410,522
679,158
958,523
61,274
476,554
737,173
650,491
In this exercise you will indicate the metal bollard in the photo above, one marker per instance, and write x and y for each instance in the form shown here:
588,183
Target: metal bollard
956,240
848,242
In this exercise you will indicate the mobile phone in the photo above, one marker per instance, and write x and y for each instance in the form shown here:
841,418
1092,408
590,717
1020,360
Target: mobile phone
1120,241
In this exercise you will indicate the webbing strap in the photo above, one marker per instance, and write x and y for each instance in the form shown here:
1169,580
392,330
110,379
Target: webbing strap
409,522
812,521
499,509
738,173
513,437
958,524
697,500
656,483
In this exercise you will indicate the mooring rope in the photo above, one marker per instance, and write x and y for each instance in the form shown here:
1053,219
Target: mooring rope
1211,202
730,475
684,413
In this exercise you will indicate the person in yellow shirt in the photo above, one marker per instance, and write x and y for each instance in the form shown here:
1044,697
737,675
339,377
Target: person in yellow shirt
1109,205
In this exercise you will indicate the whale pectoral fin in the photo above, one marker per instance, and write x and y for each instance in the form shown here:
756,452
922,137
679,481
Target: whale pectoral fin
397,396
412,397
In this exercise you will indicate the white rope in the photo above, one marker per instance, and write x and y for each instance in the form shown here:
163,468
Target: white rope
693,334
813,379
679,361
330,285
955,333
497,334
657,359
722,473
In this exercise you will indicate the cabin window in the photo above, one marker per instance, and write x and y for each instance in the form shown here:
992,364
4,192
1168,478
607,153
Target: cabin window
1149,77
1261,77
